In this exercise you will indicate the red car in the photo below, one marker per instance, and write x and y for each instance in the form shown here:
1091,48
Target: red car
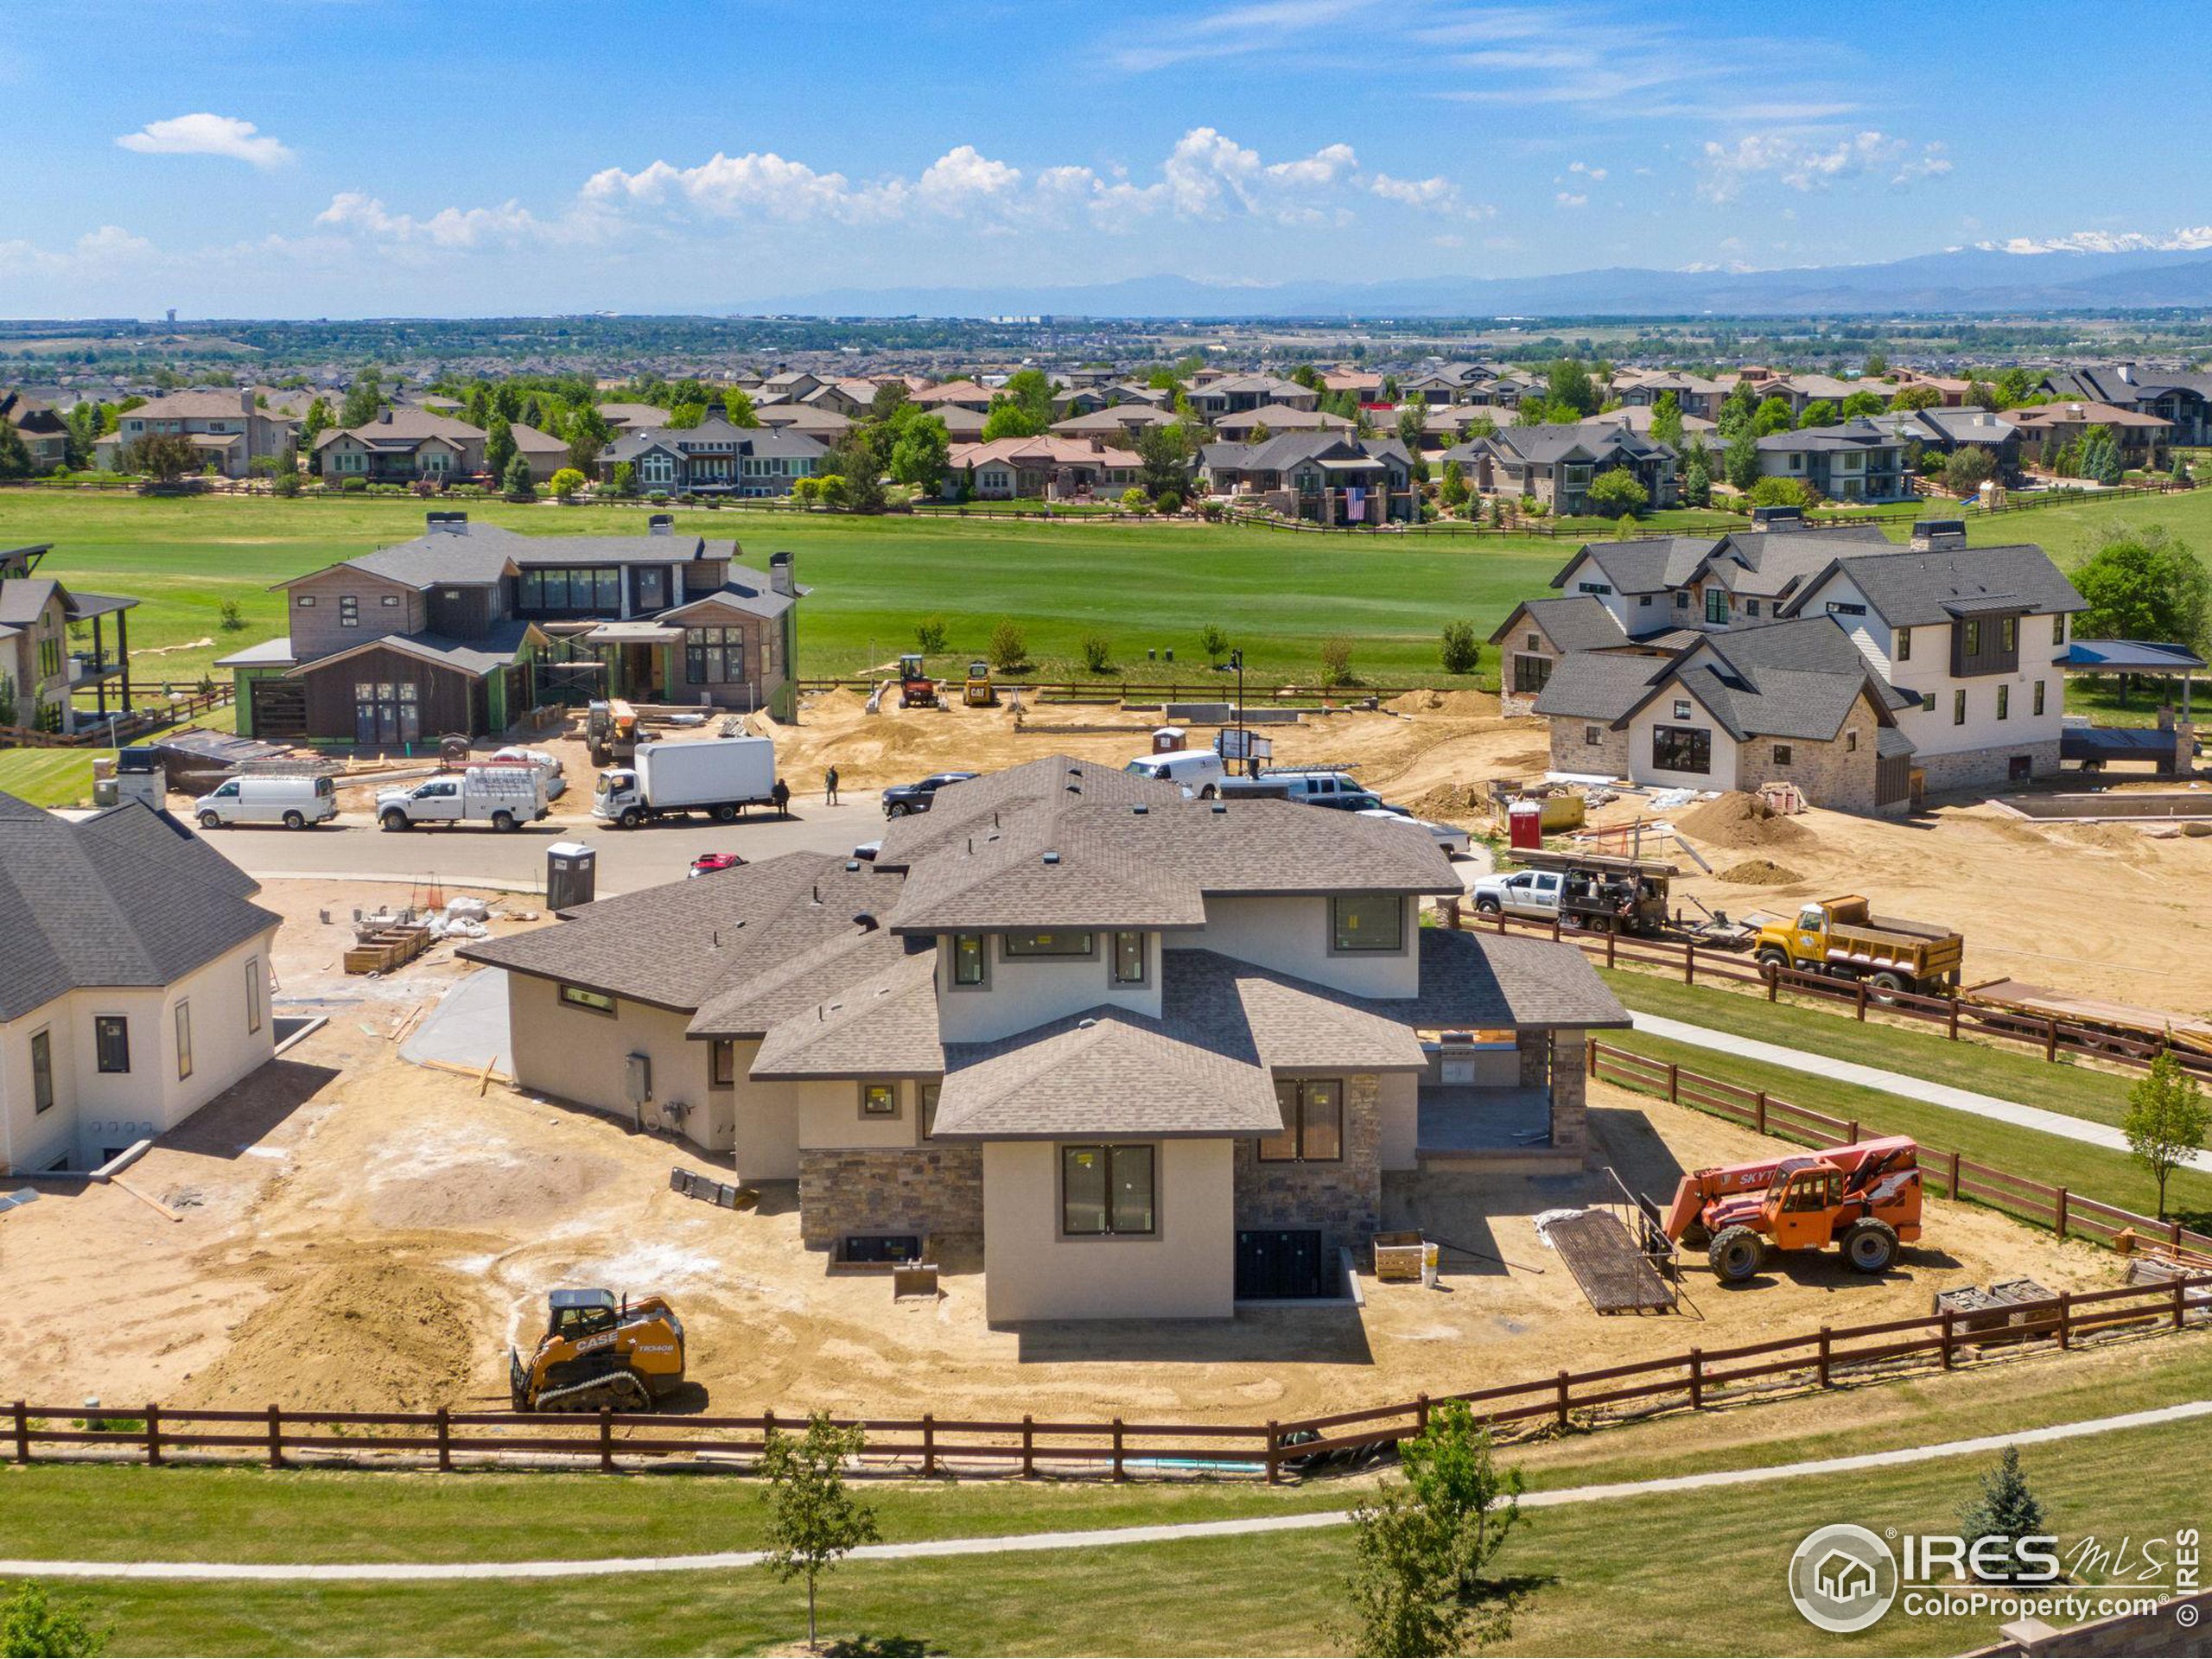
707,863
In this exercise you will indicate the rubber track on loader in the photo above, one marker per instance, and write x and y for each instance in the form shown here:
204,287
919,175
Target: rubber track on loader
1614,1275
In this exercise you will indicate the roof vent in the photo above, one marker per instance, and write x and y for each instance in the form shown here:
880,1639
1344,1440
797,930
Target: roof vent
1075,788
865,920
851,866
1085,1023
1051,858
1140,809
1220,807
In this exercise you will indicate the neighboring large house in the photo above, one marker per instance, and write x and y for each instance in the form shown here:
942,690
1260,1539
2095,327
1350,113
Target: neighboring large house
1946,431
1232,394
134,982
468,627
1694,395
1951,636
1556,464
402,446
1278,417
1116,423
40,426
1048,468
2182,400
1160,1055
228,428
2144,439
40,671
1853,460
543,453
1327,477
714,458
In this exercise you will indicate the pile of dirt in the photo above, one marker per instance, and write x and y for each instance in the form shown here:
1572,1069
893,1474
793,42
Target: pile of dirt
840,703
1460,704
1445,801
376,1334
1737,820
1760,872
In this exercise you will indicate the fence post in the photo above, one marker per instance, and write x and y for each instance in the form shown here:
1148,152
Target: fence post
1758,1112
1948,1319
445,1440
1862,1001
1955,1017
1851,1136
606,1440
1827,1343
1118,1473
1591,1054
2065,1318
1028,1445
24,1412
1562,1399
275,1437
1555,927
2062,1213
1421,1414
929,1443
2051,1040
1954,1176
153,1435
2180,1311
1612,942
1689,963
1275,1453
1674,1081
1697,1379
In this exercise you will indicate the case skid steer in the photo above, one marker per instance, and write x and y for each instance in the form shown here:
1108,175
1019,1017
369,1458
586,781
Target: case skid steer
1864,1198
599,1351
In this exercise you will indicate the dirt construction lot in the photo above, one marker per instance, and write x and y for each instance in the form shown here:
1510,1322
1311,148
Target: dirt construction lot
357,1232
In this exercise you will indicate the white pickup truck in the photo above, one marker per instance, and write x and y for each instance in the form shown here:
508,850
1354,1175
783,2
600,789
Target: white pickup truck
506,797
1524,892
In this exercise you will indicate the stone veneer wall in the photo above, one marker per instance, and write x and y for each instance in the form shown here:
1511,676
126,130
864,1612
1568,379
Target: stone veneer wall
1570,1070
934,1189
1831,775
1608,756
1984,768
1344,1200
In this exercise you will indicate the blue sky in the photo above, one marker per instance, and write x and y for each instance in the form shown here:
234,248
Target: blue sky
351,157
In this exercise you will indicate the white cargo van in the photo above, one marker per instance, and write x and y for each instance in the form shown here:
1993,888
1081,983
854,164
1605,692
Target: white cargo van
1199,771
296,803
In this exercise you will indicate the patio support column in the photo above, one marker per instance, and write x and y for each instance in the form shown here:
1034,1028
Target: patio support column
123,653
99,655
1569,1079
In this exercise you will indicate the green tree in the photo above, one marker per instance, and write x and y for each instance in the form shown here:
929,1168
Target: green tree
1009,419
316,421
84,434
34,1627
1781,492
587,432
1771,417
684,417
1009,646
1741,460
1567,383
922,453
1666,420
1336,661
568,483
1982,394
499,446
1453,491
2003,1510
737,408
1163,458
625,481
1877,364
1463,650
1918,397
1411,425
1697,478
1422,1550
2100,455
2142,584
1861,404
1618,493
1819,412
931,635
2014,387
1097,653
813,1521
890,397
1213,640
163,456
2165,1122
1966,468
517,480
15,454
364,400
854,460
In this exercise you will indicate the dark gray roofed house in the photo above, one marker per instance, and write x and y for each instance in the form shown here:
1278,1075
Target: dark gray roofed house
1556,464
1328,477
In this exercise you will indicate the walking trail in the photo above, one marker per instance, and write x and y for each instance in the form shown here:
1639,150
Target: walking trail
1896,1082
1102,1538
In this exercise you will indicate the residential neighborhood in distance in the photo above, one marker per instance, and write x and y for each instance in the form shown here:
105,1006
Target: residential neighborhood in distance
1248,830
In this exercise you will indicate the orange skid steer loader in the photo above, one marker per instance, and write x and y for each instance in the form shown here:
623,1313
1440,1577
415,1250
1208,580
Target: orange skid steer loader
599,1351
1864,1198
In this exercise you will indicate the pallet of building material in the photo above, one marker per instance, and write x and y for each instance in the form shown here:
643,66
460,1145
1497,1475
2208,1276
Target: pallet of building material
1973,1310
1613,1273
706,1190
380,950
1397,1257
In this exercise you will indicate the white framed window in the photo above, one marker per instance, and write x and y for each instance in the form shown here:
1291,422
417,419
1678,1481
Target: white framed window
257,993
183,1039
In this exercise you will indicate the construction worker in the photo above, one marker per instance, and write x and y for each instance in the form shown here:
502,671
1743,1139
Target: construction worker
829,787
781,794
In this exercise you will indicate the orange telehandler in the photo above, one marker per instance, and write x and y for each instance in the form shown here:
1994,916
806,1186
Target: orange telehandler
1864,1198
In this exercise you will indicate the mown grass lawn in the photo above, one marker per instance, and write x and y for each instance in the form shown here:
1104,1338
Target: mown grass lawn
1141,587
1696,1572
49,777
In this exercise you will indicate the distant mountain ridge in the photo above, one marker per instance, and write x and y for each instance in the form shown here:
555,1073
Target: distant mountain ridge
1976,279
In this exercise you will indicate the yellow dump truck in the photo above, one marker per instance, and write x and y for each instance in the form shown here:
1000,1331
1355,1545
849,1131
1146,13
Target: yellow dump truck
1843,939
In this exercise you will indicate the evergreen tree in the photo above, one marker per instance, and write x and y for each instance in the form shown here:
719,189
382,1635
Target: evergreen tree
499,446
2100,455
364,400
516,481
15,454
2004,1508
1742,462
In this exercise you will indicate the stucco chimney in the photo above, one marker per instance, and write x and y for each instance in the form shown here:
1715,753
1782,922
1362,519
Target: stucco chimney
780,575
661,523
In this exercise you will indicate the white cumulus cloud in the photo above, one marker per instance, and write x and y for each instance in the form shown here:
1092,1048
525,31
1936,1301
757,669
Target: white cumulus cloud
2188,239
208,135
1806,163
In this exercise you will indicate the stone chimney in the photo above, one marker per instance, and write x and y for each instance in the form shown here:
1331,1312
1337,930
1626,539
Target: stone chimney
780,575
246,400
1938,535
446,524
383,415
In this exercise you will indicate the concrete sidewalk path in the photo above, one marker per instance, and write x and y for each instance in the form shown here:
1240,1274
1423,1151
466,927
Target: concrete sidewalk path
1896,1083
1102,1539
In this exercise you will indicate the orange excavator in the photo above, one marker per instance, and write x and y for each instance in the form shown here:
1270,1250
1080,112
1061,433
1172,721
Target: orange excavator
1865,1199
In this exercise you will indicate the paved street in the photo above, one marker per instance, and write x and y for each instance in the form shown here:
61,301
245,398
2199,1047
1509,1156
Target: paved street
627,859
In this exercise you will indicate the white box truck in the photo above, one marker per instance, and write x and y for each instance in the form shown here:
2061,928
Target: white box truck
718,776
506,797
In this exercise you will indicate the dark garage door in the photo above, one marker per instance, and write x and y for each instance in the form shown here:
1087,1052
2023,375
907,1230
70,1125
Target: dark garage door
1275,1264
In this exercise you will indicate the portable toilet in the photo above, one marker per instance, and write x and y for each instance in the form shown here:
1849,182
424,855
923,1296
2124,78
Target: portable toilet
571,876
1524,824
1168,740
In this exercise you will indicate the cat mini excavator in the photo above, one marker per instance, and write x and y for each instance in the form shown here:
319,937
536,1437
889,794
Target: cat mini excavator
598,1350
